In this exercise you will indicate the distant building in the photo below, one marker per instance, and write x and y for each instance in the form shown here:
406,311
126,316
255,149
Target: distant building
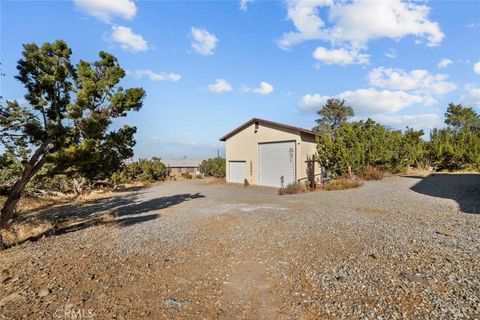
178,166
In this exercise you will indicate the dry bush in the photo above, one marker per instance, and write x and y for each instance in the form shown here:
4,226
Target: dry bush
37,203
186,175
372,173
418,172
19,232
293,188
341,184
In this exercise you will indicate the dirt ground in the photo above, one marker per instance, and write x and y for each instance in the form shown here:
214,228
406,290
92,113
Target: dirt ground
403,247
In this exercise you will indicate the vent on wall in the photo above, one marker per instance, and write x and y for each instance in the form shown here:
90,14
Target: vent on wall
256,126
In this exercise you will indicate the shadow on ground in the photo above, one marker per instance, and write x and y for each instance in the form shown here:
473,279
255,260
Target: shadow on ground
125,210
463,188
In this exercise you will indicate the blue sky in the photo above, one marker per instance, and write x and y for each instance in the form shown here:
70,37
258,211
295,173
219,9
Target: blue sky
209,66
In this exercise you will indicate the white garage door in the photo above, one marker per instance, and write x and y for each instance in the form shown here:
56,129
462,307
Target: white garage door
276,163
236,171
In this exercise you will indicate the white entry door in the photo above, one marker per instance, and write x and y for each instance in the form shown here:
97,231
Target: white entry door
276,163
237,171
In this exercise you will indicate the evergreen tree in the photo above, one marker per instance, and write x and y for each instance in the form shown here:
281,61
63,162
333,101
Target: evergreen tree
334,112
66,122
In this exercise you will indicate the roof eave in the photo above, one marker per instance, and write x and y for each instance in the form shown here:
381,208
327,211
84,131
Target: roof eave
233,132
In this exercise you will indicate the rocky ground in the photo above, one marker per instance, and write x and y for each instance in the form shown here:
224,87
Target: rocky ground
404,247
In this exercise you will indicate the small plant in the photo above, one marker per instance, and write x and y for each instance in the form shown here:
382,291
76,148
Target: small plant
186,175
199,176
373,173
341,184
293,188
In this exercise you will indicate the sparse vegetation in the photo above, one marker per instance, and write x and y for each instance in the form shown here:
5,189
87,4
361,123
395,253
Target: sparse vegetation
342,183
372,173
293,188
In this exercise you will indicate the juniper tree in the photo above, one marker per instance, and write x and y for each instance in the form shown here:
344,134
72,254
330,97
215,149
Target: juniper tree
66,121
334,112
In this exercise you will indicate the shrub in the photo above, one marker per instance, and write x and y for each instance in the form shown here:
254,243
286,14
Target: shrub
293,188
186,175
341,184
214,167
372,173
199,176
142,170
355,146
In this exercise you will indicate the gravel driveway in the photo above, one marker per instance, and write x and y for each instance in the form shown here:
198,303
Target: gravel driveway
403,247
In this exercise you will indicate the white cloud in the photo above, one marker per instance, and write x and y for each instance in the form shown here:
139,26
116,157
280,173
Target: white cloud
244,4
476,67
471,98
384,101
106,10
203,41
264,88
340,56
424,121
355,23
370,101
443,63
391,53
304,16
128,40
154,76
313,101
418,81
364,20
219,86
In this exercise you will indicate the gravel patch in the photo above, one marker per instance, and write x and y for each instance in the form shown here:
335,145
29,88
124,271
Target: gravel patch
403,247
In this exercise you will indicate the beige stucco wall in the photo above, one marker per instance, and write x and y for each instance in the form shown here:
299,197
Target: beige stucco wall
243,146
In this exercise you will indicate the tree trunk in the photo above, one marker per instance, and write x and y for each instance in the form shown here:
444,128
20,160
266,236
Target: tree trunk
3,246
31,168
350,175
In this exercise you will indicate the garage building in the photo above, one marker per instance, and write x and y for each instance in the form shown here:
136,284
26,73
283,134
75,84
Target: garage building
269,154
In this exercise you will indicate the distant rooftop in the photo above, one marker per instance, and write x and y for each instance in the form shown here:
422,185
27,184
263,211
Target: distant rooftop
181,163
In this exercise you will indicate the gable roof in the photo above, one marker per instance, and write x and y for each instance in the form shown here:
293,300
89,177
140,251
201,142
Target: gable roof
268,122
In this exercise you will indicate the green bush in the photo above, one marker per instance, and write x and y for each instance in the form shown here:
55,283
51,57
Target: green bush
141,170
363,144
357,146
451,149
214,167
